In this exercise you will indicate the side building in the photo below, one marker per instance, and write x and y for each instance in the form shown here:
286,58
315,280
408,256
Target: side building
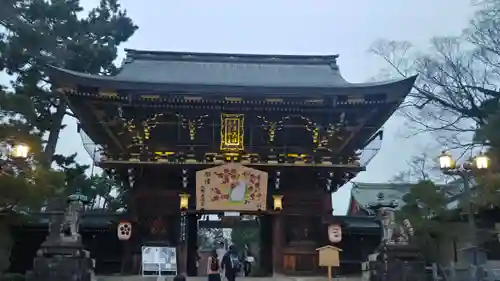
448,249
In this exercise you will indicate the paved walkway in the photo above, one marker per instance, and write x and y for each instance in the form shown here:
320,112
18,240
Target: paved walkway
283,278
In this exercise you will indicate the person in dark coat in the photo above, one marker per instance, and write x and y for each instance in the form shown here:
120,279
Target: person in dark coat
180,277
231,264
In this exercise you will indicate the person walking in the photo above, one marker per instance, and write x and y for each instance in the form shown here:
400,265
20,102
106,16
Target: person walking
221,251
198,258
213,267
248,259
231,264
180,277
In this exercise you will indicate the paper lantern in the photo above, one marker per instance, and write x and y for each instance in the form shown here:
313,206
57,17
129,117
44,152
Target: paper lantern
335,233
124,230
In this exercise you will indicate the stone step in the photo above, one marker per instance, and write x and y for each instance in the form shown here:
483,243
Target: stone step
280,278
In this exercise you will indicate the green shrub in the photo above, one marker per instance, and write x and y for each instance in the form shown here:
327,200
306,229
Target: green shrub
12,277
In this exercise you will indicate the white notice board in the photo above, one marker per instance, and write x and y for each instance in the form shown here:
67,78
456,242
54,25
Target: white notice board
158,261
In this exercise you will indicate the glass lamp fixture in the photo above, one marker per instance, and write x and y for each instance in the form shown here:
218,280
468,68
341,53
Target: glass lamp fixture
446,161
482,161
20,151
278,202
184,201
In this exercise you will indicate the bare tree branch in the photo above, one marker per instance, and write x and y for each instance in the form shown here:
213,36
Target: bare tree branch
456,77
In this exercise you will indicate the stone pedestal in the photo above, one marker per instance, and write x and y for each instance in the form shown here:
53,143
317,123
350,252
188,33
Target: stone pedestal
60,268
63,260
395,262
62,256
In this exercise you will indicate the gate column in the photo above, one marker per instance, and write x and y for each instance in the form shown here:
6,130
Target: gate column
277,248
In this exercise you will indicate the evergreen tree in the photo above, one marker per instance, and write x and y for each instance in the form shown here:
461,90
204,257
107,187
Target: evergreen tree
25,184
33,36
425,207
42,33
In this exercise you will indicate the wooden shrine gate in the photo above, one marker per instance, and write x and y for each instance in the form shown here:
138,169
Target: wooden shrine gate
291,229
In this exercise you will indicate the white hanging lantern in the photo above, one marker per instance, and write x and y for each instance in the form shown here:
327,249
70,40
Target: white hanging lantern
124,230
335,233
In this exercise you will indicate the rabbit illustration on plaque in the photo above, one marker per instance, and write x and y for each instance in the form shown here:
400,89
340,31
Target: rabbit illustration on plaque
237,192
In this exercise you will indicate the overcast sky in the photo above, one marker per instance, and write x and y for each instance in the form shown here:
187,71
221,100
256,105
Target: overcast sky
345,27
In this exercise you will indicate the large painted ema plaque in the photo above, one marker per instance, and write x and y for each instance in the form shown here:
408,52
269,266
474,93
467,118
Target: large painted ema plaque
231,187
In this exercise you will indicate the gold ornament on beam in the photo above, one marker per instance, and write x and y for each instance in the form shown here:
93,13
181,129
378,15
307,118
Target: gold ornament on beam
131,128
66,89
150,123
192,125
332,130
312,126
147,125
272,126
108,93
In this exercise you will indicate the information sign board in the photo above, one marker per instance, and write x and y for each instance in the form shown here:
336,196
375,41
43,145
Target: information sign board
159,261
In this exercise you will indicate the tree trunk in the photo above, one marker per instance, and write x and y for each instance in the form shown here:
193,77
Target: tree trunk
5,245
55,130
92,203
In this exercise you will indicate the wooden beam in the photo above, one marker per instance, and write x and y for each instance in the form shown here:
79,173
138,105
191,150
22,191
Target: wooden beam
226,224
353,167
106,128
355,130
221,212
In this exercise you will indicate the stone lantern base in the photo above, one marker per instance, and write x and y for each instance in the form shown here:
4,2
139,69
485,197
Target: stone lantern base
63,261
395,262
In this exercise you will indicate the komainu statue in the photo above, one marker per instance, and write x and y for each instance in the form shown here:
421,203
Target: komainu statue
395,259
395,233
70,227
62,256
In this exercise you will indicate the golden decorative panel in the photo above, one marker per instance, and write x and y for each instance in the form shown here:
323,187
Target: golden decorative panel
231,132
107,93
231,187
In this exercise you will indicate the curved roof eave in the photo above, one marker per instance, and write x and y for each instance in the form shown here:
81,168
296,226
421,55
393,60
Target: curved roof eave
64,76
354,198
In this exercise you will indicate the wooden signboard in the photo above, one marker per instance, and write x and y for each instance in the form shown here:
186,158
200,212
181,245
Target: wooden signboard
329,256
231,187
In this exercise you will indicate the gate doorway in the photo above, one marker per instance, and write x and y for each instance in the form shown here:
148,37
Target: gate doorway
215,231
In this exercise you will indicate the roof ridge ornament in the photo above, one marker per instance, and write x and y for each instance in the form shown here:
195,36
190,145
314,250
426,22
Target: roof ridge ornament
332,62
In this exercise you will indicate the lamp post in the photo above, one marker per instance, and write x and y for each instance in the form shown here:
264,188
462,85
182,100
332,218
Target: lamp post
448,167
16,152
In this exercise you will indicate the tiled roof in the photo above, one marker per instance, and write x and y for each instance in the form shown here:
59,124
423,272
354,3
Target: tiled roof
367,193
232,69
225,70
